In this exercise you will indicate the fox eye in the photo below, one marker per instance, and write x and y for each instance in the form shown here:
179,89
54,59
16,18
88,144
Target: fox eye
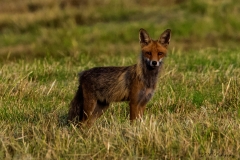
149,53
160,53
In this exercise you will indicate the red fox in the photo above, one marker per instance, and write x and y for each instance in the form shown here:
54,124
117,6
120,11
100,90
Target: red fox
100,86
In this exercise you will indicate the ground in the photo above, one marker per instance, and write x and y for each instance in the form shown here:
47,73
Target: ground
194,114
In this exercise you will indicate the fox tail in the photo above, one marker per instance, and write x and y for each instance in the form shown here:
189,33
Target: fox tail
76,113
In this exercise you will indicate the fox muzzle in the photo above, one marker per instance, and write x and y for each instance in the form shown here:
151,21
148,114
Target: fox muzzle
155,63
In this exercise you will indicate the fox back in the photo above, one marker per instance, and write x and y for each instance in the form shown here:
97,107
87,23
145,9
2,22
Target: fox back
100,86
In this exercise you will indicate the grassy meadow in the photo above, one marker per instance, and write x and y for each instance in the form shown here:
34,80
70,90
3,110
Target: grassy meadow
194,114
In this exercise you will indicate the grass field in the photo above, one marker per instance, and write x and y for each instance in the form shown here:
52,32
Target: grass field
194,114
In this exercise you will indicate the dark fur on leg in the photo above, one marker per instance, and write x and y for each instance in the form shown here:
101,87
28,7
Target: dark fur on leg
75,113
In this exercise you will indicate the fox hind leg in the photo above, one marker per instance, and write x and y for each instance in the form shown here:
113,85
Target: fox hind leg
100,108
92,107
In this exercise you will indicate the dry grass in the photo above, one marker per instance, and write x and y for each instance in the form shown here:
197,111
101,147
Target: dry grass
194,114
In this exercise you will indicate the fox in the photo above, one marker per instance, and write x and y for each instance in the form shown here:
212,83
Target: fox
100,86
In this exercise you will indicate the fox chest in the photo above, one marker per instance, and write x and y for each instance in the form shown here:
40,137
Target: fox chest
145,95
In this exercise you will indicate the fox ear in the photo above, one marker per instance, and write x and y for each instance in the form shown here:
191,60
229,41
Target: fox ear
144,38
165,37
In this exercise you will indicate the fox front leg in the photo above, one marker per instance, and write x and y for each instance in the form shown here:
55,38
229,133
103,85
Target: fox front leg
136,111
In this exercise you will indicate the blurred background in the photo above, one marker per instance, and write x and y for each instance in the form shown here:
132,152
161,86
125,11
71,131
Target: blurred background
59,28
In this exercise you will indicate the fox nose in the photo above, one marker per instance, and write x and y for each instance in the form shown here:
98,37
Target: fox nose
154,63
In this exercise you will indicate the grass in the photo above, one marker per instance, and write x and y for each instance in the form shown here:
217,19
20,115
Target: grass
194,113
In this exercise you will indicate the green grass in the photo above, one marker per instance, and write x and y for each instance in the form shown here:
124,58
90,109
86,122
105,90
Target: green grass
194,114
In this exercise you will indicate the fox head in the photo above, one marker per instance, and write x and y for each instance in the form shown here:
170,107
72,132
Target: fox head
153,51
